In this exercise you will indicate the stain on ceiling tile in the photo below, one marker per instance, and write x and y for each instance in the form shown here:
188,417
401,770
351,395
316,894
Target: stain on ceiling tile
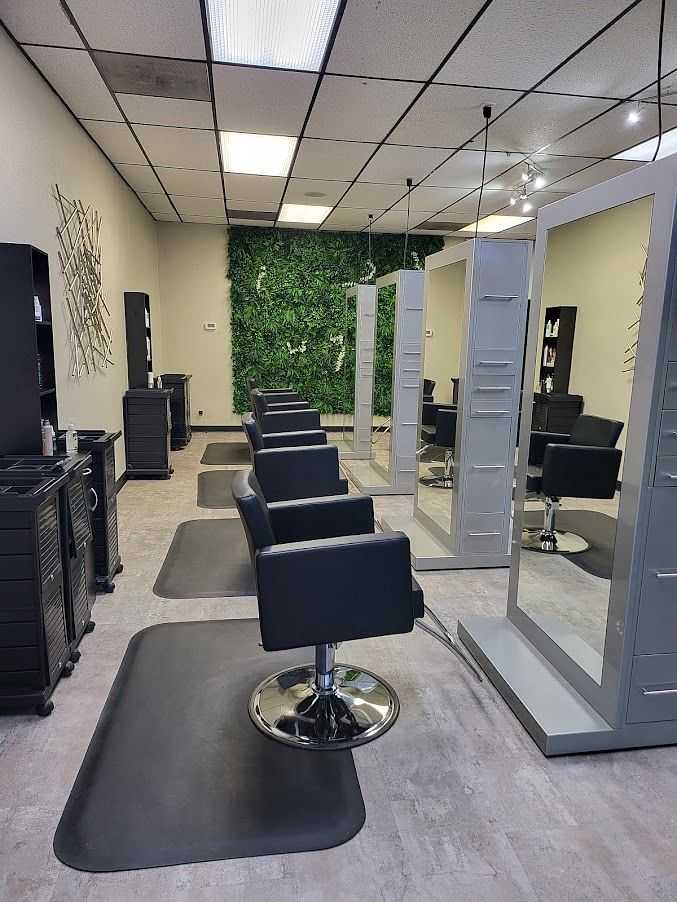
127,73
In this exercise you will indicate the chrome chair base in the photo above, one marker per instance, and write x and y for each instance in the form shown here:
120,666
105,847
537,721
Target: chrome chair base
555,542
357,707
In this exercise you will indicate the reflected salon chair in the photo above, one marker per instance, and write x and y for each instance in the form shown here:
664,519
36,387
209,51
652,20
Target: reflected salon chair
262,403
428,389
438,431
257,440
324,576
584,464
282,394
276,418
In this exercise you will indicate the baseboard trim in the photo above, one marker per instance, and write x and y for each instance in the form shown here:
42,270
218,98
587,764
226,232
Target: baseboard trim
120,483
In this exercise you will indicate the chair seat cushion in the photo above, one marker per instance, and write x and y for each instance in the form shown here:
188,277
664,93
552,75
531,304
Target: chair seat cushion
417,599
534,478
428,434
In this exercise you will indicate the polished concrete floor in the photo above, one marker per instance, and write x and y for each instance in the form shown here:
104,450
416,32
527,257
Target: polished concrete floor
461,805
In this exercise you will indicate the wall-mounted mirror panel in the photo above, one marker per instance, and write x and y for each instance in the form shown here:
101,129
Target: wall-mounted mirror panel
384,358
355,360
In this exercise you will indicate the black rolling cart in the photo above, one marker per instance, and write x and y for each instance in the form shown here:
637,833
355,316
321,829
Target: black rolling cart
180,408
148,432
103,494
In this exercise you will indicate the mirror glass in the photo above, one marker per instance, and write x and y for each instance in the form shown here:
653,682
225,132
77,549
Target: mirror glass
593,286
384,353
345,366
444,324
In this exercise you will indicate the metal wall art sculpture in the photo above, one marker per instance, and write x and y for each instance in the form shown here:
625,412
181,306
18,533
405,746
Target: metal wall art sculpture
87,315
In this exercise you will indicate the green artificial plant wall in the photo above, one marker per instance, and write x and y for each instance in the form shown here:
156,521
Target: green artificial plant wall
289,323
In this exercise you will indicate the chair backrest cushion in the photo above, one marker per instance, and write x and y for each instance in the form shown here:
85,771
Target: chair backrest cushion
253,433
253,511
258,402
595,431
445,434
428,386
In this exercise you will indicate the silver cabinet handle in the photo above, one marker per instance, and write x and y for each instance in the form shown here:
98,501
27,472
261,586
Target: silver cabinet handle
659,691
476,535
494,388
487,466
87,472
502,411
96,499
495,362
498,297
660,575
669,475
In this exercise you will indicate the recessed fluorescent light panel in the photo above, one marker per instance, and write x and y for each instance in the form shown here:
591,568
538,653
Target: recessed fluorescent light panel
644,152
256,154
496,223
284,34
303,213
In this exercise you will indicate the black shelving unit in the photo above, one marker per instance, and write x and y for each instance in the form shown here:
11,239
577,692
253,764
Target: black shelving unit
148,428
180,407
557,349
26,349
139,338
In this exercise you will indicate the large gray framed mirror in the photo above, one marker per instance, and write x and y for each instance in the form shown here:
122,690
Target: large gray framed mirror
356,362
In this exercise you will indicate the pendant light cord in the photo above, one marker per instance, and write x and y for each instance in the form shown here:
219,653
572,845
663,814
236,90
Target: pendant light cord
486,112
406,231
661,28
371,262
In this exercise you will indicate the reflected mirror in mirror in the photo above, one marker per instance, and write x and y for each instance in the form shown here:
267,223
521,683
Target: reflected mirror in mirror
345,367
444,324
384,352
593,286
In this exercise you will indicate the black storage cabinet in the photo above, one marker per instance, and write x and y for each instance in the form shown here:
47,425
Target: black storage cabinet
107,562
556,412
139,339
180,408
148,426
34,643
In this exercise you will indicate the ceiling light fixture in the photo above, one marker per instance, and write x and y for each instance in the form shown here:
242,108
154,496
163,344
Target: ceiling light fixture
513,200
495,223
526,173
635,114
643,153
539,182
303,213
283,34
527,206
257,154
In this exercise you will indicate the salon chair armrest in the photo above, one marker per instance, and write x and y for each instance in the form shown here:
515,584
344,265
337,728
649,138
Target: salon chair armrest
430,410
322,518
292,439
333,590
300,472
580,471
273,406
289,421
538,442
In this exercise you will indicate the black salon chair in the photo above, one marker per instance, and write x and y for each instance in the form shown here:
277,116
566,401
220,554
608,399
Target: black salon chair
428,389
262,403
584,464
322,577
284,418
438,431
283,394
257,440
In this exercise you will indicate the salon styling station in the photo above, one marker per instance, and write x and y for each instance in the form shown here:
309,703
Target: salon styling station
360,310
476,308
604,677
391,467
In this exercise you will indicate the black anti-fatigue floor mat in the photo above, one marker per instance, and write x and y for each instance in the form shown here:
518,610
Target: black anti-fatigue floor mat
214,489
598,529
177,773
220,454
207,559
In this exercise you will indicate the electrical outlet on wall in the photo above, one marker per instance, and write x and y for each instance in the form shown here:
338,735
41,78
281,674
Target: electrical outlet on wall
209,326
200,413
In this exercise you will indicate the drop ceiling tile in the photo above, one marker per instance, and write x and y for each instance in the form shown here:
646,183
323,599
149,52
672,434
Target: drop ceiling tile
167,28
198,206
157,203
464,169
610,134
266,189
179,147
433,198
467,205
399,39
141,177
540,119
262,101
204,220
38,22
116,141
367,194
166,217
74,76
553,168
600,172
358,109
166,111
323,159
155,77
623,59
396,221
394,165
314,191
190,181
254,210
249,222
449,116
527,39
351,219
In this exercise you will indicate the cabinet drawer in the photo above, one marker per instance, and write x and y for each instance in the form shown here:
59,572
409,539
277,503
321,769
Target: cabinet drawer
496,361
485,489
16,541
657,623
18,634
492,387
667,444
666,471
483,533
670,399
491,407
653,688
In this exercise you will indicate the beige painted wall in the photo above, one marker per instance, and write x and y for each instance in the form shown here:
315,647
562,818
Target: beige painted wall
194,290
444,299
594,264
41,144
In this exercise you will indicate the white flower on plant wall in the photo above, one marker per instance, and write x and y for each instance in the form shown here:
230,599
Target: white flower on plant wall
301,349
338,340
371,271
417,260
261,276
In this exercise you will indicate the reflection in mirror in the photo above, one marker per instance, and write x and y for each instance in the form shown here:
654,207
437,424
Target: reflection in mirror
444,323
585,361
384,349
345,365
